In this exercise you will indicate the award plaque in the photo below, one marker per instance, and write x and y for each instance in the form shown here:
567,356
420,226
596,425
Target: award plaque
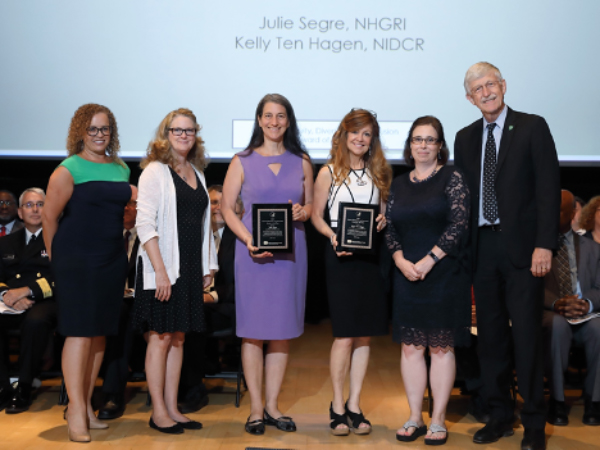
357,227
272,228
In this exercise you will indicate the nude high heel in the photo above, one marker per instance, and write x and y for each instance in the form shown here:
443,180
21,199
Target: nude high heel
75,437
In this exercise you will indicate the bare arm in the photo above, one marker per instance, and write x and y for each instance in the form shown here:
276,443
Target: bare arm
163,284
59,192
304,212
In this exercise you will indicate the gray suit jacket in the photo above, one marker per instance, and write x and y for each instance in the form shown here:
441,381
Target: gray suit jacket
17,226
588,273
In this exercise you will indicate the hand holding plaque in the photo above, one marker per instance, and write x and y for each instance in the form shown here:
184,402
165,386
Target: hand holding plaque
272,228
357,227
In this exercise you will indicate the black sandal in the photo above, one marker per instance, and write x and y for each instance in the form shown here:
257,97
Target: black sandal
256,427
336,420
356,419
283,423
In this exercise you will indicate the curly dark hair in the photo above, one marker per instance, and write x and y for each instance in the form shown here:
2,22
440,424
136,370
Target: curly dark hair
374,159
160,149
587,219
437,125
81,121
291,138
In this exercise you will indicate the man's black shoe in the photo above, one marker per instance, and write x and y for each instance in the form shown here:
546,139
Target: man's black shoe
478,408
558,413
21,400
591,415
533,439
6,395
193,405
113,408
493,431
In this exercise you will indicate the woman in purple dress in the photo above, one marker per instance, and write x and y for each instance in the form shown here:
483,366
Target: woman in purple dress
270,288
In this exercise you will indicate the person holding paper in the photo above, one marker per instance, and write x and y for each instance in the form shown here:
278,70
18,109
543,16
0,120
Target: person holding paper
428,221
270,288
572,291
357,172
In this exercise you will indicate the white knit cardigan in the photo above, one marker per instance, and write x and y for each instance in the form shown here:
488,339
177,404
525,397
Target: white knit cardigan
157,217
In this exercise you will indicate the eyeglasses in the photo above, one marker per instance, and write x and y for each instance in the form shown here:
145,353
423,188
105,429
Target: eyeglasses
93,131
30,205
428,140
6,202
180,131
489,85
373,113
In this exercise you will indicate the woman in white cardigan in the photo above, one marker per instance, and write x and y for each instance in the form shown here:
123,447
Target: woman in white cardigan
176,260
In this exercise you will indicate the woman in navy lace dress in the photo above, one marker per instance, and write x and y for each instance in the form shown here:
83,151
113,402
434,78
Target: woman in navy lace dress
428,215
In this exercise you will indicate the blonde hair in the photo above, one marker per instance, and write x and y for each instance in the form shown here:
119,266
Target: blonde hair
160,148
374,159
587,218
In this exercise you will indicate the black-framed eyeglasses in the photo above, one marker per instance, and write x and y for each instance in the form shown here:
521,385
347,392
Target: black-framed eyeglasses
428,140
30,205
93,131
373,113
6,203
180,131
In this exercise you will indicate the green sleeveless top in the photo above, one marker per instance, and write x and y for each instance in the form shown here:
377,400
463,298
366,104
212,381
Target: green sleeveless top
83,170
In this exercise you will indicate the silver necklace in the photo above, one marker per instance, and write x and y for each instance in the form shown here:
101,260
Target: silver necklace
417,180
359,179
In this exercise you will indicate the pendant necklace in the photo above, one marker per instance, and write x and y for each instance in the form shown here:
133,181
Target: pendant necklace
359,179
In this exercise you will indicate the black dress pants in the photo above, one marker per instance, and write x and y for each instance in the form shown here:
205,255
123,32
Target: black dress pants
36,325
506,293
118,353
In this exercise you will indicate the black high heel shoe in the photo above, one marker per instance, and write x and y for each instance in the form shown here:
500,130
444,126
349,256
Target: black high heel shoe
356,419
336,420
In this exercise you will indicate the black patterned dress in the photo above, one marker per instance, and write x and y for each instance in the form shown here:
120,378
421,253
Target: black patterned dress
184,311
437,310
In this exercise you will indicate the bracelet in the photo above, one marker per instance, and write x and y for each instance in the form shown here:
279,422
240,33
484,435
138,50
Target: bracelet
435,258
305,215
331,238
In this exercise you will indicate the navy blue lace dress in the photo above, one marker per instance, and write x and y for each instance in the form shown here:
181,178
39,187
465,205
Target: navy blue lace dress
437,310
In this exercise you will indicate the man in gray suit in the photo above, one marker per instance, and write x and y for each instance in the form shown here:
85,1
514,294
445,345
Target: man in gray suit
572,290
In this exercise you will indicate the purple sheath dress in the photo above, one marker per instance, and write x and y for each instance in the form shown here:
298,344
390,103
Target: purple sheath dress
270,292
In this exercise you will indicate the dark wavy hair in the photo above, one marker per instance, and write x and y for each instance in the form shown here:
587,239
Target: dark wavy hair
291,138
374,159
78,128
437,125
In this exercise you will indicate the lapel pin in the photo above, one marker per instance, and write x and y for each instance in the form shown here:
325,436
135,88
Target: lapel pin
510,127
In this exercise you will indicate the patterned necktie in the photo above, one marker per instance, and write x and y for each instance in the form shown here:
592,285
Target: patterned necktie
2,231
490,206
565,284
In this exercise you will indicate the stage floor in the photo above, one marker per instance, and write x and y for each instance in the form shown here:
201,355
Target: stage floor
305,396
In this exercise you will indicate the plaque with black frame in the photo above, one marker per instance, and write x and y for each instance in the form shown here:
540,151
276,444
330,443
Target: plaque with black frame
272,228
357,227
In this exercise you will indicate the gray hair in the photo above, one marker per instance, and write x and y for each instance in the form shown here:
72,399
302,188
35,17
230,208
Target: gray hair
35,190
479,70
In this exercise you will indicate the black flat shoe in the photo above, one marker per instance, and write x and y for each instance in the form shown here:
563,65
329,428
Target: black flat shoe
173,429
256,427
557,413
419,431
191,425
283,423
493,431
534,439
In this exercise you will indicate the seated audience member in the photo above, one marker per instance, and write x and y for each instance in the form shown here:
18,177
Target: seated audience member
8,214
572,290
219,311
590,219
118,348
26,284
579,204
